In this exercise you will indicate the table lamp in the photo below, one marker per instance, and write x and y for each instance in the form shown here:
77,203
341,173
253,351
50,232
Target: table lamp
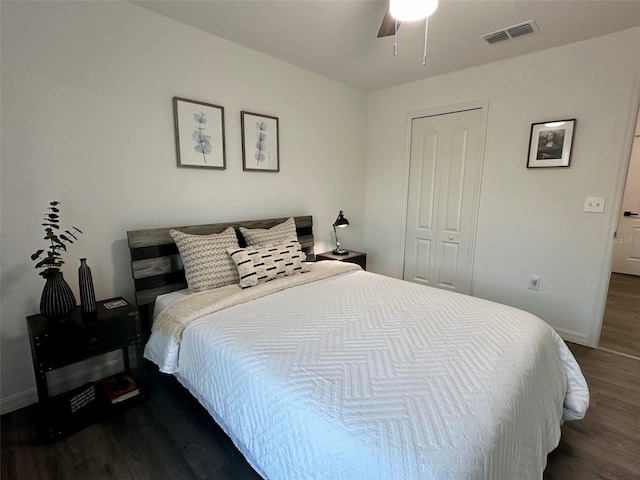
340,222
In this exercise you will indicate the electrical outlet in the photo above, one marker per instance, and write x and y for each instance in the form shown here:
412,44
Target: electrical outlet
534,282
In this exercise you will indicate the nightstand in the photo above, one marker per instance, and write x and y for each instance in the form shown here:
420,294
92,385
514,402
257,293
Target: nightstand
56,344
358,258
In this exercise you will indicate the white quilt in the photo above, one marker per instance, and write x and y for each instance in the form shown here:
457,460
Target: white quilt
362,376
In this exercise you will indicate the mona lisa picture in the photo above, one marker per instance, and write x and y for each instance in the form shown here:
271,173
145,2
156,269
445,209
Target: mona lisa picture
550,143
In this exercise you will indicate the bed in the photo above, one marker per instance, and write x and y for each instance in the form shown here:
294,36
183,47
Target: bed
331,372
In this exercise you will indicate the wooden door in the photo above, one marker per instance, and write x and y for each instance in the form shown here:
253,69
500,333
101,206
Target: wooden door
444,181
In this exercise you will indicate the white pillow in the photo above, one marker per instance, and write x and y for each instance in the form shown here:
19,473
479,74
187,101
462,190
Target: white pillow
207,264
281,233
259,265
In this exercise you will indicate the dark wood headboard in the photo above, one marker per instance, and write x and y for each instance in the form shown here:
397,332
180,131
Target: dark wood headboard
154,255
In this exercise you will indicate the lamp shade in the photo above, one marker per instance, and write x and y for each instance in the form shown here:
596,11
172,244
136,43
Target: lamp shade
341,221
412,10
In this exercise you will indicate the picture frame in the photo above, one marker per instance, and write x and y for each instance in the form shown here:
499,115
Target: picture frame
550,143
199,130
260,142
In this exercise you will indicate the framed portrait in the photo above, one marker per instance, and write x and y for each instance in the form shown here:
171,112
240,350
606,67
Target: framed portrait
199,134
260,142
550,144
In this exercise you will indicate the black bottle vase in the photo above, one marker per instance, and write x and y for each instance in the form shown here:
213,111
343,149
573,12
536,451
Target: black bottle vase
87,294
57,300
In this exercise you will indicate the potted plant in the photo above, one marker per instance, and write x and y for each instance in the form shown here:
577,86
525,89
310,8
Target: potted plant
57,300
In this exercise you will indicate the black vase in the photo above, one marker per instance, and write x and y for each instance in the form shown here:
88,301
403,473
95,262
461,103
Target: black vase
87,293
57,300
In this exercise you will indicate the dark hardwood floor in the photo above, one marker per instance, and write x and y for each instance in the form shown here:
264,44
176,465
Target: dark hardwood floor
621,323
170,436
606,443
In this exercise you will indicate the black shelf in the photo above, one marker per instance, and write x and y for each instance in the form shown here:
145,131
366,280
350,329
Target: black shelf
56,344
359,258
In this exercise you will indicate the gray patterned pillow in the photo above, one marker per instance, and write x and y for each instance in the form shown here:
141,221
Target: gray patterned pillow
283,232
207,264
259,265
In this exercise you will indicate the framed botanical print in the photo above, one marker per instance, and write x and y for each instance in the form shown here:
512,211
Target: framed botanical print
199,130
260,142
550,144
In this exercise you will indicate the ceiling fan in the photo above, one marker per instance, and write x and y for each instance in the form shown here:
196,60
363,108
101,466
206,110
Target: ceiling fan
388,26
400,11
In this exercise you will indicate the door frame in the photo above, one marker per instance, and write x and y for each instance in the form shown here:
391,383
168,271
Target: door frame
600,303
483,105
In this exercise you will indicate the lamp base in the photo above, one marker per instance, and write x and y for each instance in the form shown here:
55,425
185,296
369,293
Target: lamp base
340,251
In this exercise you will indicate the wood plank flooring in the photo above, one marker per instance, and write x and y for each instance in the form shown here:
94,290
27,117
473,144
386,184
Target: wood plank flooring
605,445
167,437
621,323
171,437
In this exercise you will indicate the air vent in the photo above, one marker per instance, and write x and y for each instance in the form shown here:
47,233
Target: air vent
496,37
514,31
520,30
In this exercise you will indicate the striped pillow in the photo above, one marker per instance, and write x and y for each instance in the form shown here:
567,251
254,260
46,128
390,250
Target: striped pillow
259,265
281,233
206,262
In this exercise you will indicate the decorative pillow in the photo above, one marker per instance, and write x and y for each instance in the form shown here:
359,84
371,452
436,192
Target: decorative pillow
281,233
206,262
259,265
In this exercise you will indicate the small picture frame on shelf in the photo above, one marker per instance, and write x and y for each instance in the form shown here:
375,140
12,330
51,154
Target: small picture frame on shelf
550,144
199,129
260,142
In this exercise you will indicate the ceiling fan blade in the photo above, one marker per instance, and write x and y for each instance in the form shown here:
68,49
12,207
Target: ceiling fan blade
388,26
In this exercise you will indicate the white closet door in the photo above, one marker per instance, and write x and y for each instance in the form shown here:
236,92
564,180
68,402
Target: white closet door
444,174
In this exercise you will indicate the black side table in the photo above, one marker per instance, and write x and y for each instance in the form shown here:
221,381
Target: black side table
358,258
56,344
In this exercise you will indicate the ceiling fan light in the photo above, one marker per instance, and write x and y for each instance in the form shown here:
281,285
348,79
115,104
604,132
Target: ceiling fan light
412,10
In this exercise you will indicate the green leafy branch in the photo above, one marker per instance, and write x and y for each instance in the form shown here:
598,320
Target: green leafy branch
57,241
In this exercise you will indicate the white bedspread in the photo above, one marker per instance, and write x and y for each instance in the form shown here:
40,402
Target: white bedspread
362,376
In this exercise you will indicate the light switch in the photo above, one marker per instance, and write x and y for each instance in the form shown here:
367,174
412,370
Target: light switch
594,204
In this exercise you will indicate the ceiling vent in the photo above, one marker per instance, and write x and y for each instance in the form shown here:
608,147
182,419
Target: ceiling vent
496,37
508,33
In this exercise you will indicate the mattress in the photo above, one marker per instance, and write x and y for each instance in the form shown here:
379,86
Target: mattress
361,376
163,349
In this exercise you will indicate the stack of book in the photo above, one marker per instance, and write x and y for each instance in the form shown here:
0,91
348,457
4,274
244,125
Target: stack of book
120,387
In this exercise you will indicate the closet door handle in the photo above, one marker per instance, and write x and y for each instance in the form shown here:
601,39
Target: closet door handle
630,214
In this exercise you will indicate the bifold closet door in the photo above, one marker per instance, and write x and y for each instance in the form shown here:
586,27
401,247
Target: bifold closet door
444,181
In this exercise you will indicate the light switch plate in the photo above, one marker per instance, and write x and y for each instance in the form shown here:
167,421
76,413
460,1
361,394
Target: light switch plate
594,204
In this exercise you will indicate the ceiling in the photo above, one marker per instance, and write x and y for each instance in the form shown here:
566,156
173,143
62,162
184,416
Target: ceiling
338,38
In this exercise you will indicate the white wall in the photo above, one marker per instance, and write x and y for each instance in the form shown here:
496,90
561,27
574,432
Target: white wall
530,221
87,120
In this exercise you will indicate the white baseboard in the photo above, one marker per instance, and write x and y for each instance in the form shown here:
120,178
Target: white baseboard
18,400
573,337
71,380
